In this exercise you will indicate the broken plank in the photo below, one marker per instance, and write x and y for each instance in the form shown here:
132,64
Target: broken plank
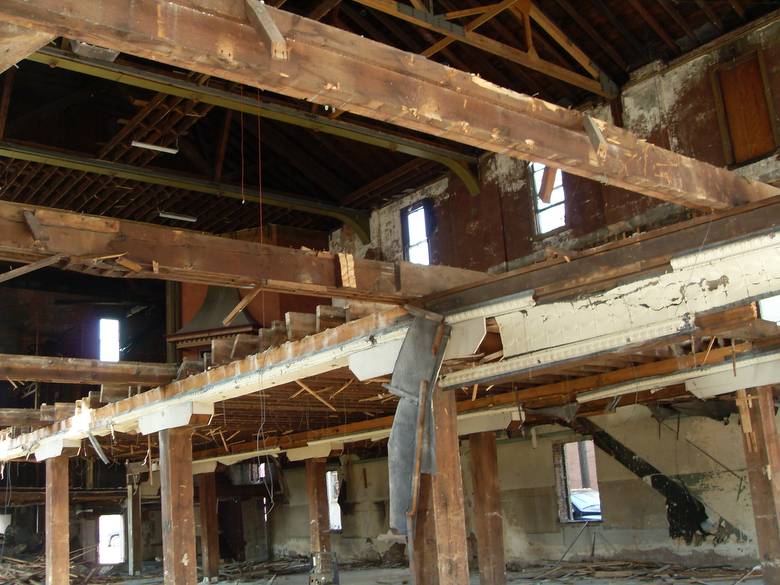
22,270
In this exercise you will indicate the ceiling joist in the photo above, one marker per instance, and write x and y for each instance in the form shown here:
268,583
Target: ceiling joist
330,66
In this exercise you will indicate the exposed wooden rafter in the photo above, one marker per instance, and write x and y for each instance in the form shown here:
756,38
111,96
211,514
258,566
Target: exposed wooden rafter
17,42
411,92
466,34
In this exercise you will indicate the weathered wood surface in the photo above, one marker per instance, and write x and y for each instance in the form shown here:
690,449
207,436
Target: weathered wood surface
209,528
17,42
448,505
487,509
317,498
329,66
178,511
762,459
57,521
32,368
92,244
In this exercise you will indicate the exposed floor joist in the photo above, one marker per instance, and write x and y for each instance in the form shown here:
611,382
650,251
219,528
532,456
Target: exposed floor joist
700,282
334,67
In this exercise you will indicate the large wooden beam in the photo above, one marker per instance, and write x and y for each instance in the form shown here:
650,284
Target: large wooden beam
178,509
16,43
57,521
331,66
90,243
487,509
448,507
762,458
422,558
57,370
317,498
209,528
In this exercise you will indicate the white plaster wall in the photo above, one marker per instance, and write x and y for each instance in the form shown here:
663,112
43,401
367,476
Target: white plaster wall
634,524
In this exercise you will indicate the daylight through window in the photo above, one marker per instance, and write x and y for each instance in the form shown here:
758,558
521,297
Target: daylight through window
109,340
549,200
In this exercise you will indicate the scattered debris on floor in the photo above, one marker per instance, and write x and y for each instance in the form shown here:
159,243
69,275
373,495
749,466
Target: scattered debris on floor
631,570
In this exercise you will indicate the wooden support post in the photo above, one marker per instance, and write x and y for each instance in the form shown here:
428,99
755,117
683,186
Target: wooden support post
762,458
178,508
57,521
135,551
423,558
319,517
487,509
448,507
209,530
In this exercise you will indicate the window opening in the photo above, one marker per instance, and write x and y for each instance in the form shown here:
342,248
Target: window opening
416,221
334,509
549,198
109,340
579,498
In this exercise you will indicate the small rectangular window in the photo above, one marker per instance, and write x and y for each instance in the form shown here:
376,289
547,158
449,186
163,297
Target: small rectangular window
578,488
549,198
109,340
334,509
416,223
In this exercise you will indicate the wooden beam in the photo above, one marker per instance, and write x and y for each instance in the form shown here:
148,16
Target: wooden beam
32,267
317,498
486,15
407,93
324,8
448,507
135,543
653,23
177,503
16,43
209,527
186,256
563,40
423,560
586,26
58,370
57,521
483,460
264,24
464,35
760,442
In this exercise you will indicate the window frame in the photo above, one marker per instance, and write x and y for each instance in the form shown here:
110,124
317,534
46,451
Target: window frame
720,106
427,206
118,338
534,191
562,491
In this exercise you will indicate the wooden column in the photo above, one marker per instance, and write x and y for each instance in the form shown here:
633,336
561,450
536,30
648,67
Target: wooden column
448,506
209,529
135,552
762,457
424,563
57,521
178,508
487,509
319,516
